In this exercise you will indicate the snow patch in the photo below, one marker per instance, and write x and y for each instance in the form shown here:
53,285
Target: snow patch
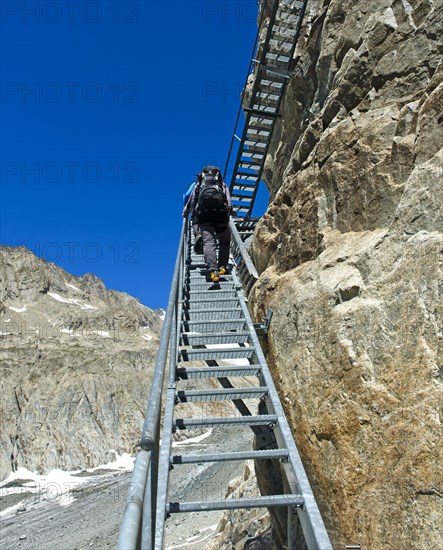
7,321
388,18
122,462
147,337
409,10
192,440
60,298
57,485
162,314
102,333
18,310
243,362
72,286
71,301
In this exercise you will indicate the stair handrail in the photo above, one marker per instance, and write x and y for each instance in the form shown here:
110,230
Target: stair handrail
247,270
141,493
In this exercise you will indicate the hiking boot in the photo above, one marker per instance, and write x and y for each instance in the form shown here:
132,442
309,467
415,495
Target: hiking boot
214,276
224,270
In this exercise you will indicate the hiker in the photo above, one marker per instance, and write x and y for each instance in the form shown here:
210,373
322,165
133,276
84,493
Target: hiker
210,204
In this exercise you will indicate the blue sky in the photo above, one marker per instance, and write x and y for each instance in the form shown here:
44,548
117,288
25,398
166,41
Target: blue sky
108,109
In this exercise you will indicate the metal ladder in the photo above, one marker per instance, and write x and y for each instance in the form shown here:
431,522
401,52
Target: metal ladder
272,70
211,323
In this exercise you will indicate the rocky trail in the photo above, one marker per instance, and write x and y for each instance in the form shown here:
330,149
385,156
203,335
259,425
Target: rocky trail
89,515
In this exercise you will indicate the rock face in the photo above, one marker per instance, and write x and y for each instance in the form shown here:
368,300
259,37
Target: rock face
350,255
76,364
243,529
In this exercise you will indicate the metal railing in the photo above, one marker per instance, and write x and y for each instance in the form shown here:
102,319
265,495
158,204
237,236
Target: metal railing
246,269
138,526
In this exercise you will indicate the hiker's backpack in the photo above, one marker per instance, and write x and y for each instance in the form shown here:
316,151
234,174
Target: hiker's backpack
210,192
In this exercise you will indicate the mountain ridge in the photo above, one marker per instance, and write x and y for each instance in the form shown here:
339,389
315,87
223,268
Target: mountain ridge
77,359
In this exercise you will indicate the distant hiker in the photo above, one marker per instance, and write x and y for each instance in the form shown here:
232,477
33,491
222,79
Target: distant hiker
210,204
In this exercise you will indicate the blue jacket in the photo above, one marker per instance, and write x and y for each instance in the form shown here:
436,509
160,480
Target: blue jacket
188,192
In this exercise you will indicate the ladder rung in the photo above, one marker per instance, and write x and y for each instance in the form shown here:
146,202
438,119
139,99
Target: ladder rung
222,457
254,143
215,302
216,353
188,396
239,209
282,45
256,157
211,324
208,314
196,286
292,18
189,373
235,504
246,177
243,186
196,275
192,423
276,71
199,339
227,293
276,58
268,96
249,165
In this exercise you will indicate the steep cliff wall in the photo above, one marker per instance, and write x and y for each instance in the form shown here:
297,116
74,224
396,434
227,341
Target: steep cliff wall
350,255
76,363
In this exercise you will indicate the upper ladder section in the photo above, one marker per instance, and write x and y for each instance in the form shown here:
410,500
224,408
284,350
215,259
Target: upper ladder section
271,71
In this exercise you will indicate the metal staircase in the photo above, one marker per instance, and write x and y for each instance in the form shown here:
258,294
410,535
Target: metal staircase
210,342
210,337
272,64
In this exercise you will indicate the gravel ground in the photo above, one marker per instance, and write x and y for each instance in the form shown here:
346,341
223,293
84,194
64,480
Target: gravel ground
90,517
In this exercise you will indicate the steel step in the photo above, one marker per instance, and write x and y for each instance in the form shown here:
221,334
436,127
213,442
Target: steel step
215,303
216,354
235,504
234,323
196,286
229,394
270,98
240,191
188,373
249,165
196,265
201,339
222,293
209,314
196,275
280,454
277,59
244,186
247,155
283,46
252,420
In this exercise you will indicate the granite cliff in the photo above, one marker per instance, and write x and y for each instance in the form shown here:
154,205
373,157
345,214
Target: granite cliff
350,256
76,364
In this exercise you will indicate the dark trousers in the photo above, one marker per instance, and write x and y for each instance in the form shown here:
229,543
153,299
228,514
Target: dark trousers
211,233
